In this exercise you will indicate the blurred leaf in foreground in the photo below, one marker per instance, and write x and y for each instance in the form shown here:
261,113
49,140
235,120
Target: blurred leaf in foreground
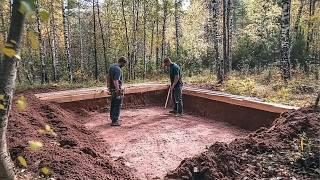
22,161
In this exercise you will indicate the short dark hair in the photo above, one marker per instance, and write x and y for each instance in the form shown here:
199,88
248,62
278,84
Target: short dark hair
166,60
123,60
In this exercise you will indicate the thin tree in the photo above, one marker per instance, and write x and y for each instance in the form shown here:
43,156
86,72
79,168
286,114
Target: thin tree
106,63
224,41
127,38
177,12
164,28
67,40
157,35
310,33
8,74
80,36
285,44
144,39
41,50
135,12
152,41
96,70
218,61
53,43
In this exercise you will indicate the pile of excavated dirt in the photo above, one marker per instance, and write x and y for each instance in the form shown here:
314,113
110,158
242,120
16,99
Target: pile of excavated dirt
289,149
74,153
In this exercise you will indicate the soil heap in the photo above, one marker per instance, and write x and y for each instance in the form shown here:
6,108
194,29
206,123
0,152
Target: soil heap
288,149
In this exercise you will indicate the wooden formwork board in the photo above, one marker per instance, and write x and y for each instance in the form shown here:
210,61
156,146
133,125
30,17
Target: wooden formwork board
101,92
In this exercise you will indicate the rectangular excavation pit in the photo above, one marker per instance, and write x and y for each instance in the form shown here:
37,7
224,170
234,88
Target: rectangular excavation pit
153,142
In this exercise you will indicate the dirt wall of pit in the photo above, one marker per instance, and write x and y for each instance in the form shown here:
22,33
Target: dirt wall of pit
243,117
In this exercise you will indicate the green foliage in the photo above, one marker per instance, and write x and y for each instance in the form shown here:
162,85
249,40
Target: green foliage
241,86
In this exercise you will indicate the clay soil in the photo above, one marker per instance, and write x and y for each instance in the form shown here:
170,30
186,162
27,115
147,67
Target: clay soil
152,142
290,149
75,153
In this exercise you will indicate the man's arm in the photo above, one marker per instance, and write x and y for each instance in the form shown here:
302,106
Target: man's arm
116,85
176,80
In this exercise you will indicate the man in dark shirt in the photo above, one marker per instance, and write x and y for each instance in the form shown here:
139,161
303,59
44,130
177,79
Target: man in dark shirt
176,86
114,82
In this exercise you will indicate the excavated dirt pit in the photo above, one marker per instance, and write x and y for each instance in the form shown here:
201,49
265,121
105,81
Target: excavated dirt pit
153,142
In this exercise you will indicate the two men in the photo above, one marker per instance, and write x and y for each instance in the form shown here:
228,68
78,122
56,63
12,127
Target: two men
114,82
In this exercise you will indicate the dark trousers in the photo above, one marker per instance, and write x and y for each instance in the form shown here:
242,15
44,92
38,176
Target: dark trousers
177,99
116,103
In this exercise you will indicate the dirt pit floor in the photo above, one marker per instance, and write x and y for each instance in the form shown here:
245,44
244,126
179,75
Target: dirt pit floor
154,142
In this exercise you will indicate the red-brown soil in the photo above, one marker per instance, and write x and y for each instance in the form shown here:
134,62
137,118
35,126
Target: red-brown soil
75,153
152,142
267,153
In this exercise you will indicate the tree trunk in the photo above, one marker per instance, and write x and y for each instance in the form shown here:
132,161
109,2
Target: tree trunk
285,45
164,28
3,26
127,37
80,38
106,64
217,59
67,41
309,36
41,50
158,37
96,70
8,73
144,40
177,13
224,36
152,41
53,44
296,29
135,11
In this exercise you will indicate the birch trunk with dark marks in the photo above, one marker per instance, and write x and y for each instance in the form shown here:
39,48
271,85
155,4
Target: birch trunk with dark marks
53,44
127,38
96,69
152,41
144,40
285,44
106,63
8,74
66,34
164,29
177,17
157,36
41,50
80,37
3,26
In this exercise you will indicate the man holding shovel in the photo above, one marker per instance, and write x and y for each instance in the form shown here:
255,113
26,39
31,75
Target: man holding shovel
176,86
114,82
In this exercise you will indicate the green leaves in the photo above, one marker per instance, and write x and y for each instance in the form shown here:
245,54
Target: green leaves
44,15
26,7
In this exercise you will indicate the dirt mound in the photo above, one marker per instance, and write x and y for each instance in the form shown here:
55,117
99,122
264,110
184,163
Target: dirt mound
290,148
75,153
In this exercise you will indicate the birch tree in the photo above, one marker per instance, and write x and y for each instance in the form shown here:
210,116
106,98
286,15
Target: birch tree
67,40
285,45
8,74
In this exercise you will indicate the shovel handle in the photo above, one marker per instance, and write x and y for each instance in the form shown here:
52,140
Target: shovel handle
165,106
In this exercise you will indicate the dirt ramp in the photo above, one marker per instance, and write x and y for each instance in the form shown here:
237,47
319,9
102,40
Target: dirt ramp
266,153
75,153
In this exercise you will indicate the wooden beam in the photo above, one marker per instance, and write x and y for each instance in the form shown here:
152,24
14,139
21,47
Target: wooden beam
237,100
94,93
101,92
